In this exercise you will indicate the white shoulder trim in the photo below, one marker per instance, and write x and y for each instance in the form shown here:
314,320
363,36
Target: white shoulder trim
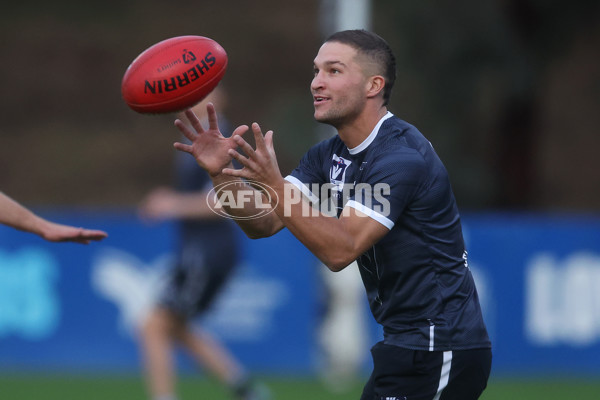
388,223
303,188
371,136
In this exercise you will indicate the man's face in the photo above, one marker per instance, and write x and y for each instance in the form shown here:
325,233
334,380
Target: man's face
339,84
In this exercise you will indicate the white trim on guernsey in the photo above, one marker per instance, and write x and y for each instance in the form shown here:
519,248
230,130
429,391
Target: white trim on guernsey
444,374
303,188
370,213
371,136
431,336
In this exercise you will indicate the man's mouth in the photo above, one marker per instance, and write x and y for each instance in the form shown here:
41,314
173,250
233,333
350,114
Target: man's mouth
320,99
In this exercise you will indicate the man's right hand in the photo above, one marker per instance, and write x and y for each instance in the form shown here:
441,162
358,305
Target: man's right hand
209,147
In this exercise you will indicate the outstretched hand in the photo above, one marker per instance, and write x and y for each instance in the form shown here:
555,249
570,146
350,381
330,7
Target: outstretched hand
209,147
54,232
259,164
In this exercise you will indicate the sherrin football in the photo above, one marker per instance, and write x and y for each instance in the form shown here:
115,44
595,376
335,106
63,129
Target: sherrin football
174,74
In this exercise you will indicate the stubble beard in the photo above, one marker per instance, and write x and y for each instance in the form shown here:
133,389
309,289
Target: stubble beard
338,116
332,117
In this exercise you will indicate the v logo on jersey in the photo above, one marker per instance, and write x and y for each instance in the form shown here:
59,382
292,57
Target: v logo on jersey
337,172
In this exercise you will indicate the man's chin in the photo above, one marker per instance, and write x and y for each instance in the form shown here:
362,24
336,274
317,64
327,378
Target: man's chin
327,120
324,119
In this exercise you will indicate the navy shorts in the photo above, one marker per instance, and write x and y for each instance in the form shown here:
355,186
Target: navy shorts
197,278
404,374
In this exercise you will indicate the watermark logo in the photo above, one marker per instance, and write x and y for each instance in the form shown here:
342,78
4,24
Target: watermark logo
332,199
252,200
238,195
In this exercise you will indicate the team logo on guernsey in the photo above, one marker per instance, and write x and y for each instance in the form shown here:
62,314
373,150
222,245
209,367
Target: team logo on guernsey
337,173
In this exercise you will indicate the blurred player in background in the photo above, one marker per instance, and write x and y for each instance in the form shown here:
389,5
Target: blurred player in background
403,227
19,217
206,258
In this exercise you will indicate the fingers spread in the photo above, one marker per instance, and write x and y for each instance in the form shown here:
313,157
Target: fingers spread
240,130
213,122
269,139
194,121
240,158
245,146
183,147
258,137
234,172
183,128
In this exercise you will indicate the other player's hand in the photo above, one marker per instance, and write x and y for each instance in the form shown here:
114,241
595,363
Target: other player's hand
54,232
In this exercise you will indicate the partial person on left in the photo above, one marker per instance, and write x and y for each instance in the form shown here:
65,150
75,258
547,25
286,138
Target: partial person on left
17,216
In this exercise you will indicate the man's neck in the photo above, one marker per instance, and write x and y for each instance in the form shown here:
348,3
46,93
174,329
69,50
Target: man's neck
355,132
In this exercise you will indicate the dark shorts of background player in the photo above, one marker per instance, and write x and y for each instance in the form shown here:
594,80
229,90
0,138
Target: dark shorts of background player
404,374
196,280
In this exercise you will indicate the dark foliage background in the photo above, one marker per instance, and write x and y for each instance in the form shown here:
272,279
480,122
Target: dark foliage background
508,91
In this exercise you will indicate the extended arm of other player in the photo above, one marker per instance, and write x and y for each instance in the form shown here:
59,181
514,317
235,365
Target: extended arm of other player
17,216
337,242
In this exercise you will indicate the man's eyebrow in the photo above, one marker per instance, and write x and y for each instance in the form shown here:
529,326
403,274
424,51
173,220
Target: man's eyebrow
333,62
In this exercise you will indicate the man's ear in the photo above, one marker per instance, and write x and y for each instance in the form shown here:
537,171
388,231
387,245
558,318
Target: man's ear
375,85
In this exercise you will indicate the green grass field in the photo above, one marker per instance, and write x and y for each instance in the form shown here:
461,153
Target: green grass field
59,387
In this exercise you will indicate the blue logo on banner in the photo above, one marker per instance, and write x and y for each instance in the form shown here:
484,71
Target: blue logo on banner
29,305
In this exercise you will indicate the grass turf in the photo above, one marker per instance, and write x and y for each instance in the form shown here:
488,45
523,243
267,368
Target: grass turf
65,387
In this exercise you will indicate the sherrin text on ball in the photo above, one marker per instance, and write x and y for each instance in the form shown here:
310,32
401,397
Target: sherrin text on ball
174,74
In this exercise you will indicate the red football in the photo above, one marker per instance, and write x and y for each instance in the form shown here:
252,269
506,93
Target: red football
174,74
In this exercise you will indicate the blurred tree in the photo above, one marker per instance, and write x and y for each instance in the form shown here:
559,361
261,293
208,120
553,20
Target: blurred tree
495,85
472,75
64,125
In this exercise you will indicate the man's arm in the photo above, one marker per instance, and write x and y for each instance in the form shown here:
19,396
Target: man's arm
17,216
244,213
335,241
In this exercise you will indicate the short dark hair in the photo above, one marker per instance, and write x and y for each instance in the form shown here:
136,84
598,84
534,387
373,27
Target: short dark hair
374,47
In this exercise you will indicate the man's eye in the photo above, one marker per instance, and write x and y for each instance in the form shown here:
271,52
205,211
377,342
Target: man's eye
335,71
